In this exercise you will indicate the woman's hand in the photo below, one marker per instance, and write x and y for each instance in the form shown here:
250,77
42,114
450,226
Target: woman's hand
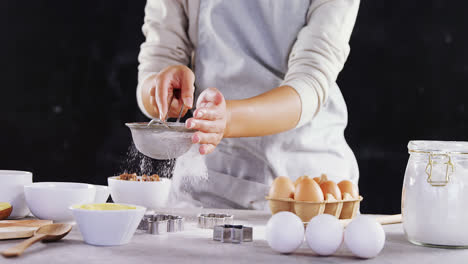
210,119
157,92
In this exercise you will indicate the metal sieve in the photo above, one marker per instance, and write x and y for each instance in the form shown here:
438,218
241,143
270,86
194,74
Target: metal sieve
162,142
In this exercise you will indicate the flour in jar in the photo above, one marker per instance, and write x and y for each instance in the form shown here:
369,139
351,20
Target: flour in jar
435,214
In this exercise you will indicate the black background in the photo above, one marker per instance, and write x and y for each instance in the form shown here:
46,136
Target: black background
68,76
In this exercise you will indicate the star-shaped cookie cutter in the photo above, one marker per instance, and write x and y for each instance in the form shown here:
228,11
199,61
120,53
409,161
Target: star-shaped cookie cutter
233,234
209,221
158,224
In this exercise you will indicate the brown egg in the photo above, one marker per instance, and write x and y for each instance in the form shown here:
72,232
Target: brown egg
282,187
300,179
321,179
308,190
330,187
348,187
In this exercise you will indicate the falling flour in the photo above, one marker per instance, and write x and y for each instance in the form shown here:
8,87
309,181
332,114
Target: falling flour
135,162
185,171
191,168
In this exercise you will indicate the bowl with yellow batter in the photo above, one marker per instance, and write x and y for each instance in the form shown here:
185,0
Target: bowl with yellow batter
107,224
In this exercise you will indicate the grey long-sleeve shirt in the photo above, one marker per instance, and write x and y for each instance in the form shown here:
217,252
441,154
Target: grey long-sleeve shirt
245,48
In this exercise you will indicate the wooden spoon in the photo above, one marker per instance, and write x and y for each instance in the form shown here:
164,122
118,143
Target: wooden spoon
48,233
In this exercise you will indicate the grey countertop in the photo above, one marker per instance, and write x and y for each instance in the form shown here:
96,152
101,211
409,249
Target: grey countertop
195,245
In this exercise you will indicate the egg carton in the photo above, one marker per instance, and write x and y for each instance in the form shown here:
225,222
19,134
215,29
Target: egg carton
344,209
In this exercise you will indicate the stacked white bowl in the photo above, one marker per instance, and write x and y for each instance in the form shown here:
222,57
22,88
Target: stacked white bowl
12,191
51,200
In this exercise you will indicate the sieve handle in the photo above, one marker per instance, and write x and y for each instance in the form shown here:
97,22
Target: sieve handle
180,113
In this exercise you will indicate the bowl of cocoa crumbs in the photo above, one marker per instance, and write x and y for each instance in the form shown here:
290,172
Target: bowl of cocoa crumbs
150,191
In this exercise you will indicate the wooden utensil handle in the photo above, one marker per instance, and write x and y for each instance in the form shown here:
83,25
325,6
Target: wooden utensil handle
17,250
30,223
383,220
20,224
389,219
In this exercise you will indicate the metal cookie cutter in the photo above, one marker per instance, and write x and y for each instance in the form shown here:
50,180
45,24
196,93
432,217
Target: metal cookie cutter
211,220
158,224
232,233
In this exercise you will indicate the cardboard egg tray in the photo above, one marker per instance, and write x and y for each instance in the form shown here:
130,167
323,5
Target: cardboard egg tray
344,209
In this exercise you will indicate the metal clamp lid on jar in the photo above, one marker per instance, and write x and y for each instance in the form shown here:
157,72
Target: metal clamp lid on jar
439,150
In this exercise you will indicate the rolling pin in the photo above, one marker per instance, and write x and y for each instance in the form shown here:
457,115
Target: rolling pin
383,220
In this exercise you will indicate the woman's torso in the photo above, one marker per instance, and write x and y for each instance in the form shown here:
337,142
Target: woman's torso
242,48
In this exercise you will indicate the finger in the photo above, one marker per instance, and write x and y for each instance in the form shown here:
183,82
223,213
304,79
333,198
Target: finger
206,149
212,95
162,95
206,138
208,126
174,109
180,102
205,105
187,87
152,92
153,89
208,114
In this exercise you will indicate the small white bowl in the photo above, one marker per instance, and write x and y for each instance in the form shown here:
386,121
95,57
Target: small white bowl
151,195
108,227
51,200
102,194
12,191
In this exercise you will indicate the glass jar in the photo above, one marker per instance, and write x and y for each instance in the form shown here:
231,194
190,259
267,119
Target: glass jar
435,194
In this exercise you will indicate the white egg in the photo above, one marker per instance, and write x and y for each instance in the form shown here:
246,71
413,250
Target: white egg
284,232
324,234
364,236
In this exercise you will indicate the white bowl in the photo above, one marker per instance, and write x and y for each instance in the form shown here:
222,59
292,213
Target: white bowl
102,194
51,200
108,227
12,191
151,195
